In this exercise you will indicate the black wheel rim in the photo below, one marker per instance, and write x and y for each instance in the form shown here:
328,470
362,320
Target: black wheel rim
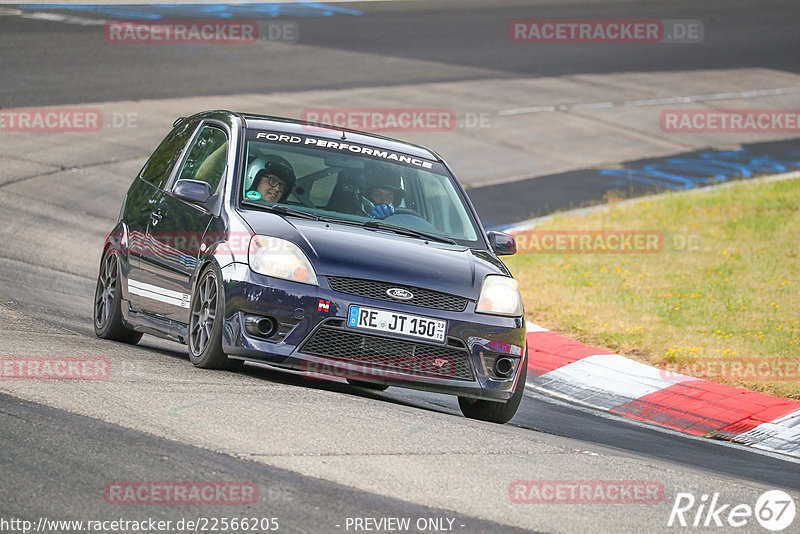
204,310
106,290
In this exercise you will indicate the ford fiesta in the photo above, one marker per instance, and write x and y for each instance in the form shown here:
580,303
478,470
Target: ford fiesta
317,250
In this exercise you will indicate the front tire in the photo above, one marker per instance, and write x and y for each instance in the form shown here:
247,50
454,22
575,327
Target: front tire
206,320
108,323
495,412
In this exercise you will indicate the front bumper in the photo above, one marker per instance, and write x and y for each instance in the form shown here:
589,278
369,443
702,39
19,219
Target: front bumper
311,337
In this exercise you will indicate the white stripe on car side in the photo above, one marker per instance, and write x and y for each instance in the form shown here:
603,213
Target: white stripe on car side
160,294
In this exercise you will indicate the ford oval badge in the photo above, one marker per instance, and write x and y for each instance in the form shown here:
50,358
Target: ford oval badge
400,294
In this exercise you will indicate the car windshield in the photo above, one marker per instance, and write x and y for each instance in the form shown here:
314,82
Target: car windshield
354,183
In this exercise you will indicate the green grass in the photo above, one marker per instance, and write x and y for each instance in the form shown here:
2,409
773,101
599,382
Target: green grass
724,288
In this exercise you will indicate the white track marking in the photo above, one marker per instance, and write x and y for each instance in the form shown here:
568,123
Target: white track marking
607,380
651,101
58,17
781,435
535,327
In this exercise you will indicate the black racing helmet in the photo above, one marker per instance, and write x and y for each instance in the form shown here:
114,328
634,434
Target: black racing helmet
280,169
379,176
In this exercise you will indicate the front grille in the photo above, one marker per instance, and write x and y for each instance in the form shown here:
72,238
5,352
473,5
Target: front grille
377,290
386,354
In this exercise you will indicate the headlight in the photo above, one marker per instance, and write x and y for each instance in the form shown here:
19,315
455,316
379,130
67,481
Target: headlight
280,258
500,296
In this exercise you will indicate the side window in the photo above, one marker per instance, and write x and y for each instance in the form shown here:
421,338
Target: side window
158,168
441,208
207,157
436,203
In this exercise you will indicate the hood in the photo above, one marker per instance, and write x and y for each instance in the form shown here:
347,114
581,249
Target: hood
357,252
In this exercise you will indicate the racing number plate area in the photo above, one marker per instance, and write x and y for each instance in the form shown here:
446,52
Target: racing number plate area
397,323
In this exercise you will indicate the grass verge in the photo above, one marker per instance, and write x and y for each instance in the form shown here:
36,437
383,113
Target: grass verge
716,296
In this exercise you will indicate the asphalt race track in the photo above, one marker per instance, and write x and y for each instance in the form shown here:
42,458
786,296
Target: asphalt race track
323,453
426,41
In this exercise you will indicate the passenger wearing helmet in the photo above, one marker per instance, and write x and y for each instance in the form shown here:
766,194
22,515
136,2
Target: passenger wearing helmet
384,189
274,182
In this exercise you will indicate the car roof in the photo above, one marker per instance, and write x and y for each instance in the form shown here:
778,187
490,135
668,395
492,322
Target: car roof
299,127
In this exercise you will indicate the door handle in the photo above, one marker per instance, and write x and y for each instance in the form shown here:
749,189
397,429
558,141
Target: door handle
156,217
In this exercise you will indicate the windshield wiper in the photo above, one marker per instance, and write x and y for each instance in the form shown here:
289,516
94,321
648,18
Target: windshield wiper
407,231
379,225
285,210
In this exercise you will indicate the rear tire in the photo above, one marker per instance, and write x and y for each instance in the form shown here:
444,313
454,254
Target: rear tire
206,319
108,323
367,385
495,412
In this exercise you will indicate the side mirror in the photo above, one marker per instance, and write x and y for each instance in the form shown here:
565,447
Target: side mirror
192,191
502,244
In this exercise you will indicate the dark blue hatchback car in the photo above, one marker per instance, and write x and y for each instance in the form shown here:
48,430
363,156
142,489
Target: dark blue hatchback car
329,252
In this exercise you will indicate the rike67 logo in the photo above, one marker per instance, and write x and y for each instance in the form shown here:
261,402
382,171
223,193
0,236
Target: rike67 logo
774,510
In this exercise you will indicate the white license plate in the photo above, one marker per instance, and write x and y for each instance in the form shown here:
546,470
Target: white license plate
397,323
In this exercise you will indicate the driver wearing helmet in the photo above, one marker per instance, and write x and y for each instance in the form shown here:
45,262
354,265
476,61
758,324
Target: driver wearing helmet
274,182
384,189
